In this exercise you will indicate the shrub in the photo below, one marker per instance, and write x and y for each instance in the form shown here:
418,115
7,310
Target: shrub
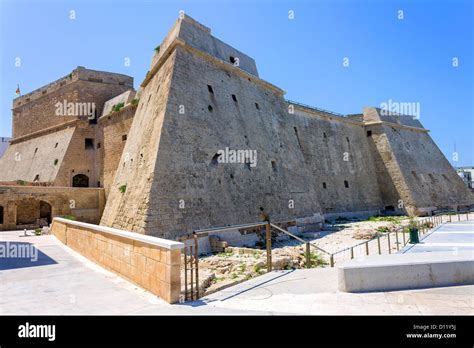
122,188
383,229
135,101
117,107
157,49
38,232
21,182
315,259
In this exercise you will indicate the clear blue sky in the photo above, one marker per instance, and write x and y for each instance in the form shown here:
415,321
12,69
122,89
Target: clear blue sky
407,60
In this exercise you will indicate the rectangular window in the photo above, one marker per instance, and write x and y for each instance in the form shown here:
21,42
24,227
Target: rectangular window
124,137
89,143
209,88
234,98
346,184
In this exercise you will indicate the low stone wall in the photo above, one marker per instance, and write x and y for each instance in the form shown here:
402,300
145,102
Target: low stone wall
150,262
407,271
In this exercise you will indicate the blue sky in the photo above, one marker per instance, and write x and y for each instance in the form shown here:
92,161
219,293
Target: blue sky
408,60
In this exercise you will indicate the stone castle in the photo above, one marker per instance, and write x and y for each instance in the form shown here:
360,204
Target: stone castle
149,161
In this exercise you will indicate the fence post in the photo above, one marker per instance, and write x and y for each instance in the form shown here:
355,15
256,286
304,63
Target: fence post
404,238
185,272
378,242
308,256
196,259
458,217
352,252
467,216
388,240
367,248
191,264
269,246
449,217
396,238
331,260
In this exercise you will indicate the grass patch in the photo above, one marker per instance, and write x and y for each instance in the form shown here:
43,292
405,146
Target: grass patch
393,219
69,217
122,188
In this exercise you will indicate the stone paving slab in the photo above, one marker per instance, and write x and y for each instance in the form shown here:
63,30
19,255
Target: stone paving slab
451,236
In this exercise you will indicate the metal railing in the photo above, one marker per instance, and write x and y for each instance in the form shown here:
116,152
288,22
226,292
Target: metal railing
191,259
314,108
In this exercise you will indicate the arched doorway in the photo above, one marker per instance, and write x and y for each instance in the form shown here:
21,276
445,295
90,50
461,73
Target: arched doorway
80,180
1,215
45,211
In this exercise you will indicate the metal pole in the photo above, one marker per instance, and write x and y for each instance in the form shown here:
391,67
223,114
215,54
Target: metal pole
352,252
269,246
367,248
191,264
388,240
404,238
185,273
449,217
308,256
378,242
458,216
196,259
331,259
396,238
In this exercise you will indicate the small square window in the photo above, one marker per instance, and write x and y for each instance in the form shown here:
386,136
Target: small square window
257,106
346,184
324,185
209,88
369,133
124,137
234,98
98,145
89,143
232,59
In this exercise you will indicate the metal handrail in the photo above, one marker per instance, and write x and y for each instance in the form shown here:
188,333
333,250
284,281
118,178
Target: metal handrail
227,228
314,108
300,239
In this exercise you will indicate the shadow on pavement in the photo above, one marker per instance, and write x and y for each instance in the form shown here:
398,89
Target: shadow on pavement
20,255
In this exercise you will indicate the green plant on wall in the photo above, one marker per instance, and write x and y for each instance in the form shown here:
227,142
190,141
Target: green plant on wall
135,101
157,49
117,107
123,188
56,161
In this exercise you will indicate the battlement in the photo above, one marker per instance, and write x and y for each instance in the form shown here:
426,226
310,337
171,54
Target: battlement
80,73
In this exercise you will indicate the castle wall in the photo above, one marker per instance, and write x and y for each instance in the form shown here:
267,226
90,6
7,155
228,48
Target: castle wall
422,176
36,111
21,204
115,128
336,151
36,157
136,170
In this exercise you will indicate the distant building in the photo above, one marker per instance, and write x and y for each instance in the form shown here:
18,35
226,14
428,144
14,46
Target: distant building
467,175
4,142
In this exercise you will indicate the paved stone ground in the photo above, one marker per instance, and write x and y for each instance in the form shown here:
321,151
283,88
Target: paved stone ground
63,282
454,236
